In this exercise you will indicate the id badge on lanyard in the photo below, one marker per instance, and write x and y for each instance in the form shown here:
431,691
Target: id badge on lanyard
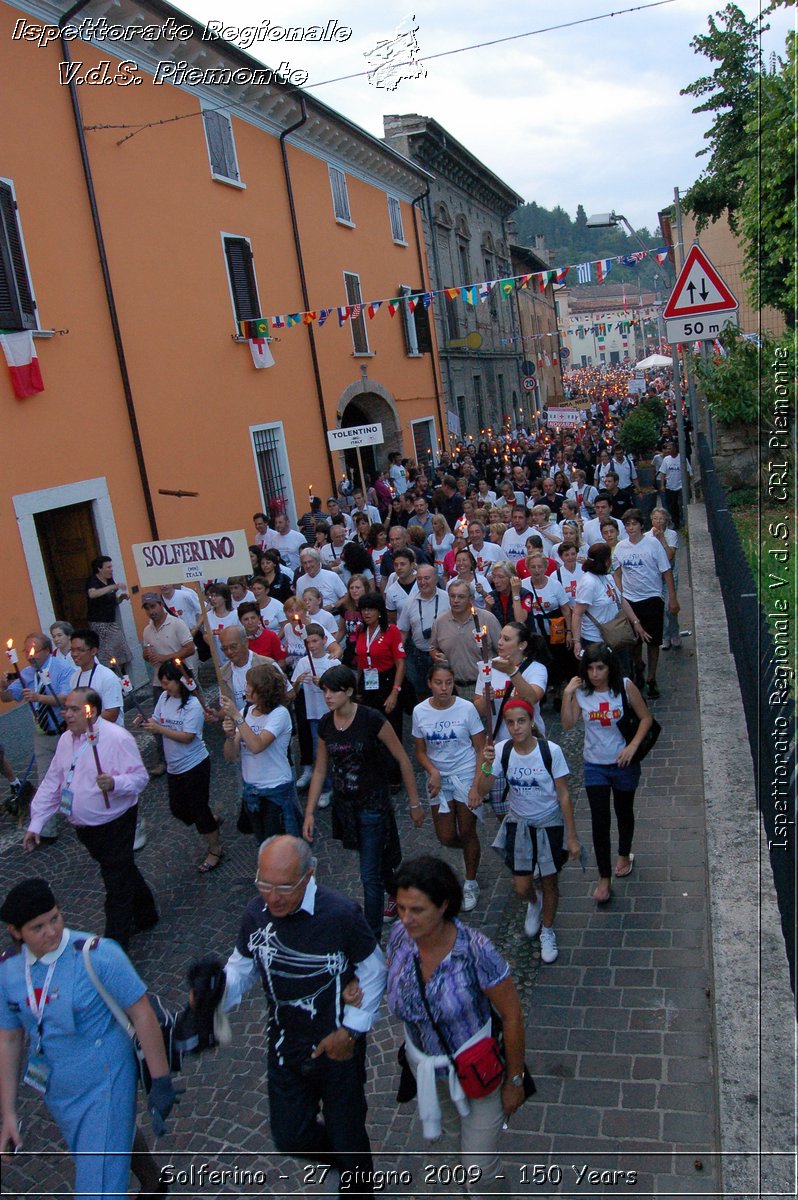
67,795
37,1069
371,676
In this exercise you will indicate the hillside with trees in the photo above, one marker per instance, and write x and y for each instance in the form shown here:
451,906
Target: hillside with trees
568,242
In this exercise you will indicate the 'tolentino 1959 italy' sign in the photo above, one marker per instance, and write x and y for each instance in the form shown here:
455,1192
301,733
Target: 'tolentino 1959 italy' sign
189,559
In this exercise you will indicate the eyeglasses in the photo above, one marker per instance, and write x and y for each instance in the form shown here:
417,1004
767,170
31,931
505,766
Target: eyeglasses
282,889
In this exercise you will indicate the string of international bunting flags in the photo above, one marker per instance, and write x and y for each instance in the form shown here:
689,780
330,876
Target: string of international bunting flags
474,293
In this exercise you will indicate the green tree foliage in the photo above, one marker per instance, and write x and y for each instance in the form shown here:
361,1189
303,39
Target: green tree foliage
570,241
767,207
730,93
735,382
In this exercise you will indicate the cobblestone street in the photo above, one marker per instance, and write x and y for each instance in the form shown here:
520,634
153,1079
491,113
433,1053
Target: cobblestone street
618,1030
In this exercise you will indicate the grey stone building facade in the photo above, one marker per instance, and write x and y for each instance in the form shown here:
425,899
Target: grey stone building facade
465,217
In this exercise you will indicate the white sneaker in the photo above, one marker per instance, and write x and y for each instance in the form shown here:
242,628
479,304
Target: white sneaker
140,838
548,945
534,916
303,783
324,800
470,894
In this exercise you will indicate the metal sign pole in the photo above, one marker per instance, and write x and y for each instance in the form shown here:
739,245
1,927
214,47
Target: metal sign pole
680,430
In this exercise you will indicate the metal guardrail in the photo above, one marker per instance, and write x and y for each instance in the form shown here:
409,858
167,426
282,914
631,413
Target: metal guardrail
770,726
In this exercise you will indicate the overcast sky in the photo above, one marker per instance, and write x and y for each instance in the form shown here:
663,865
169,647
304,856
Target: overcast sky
589,114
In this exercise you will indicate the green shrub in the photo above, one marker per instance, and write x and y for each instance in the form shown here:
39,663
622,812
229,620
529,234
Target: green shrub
733,385
639,433
655,406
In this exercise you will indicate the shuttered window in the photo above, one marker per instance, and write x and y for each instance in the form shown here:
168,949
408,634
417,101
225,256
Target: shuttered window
221,146
415,324
340,195
17,305
241,273
357,321
395,214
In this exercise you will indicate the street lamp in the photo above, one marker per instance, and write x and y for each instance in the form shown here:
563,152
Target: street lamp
611,220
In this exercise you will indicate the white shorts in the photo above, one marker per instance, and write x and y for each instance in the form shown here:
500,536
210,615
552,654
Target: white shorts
454,789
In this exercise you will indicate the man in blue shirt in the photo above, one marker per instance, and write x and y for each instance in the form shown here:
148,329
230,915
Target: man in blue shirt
41,683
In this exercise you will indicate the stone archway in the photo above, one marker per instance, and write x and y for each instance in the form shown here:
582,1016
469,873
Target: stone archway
361,404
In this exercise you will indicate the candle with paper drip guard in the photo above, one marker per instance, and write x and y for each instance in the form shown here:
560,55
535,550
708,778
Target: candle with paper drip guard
184,671
192,684
127,687
13,657
477,626
299,628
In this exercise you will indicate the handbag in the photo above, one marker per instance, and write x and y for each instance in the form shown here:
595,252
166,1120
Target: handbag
629,725
480,1068
617,632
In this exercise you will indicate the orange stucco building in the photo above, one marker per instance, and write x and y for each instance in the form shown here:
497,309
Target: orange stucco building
149,218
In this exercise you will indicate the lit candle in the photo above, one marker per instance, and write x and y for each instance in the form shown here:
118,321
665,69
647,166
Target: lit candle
477,627
310,491
485,651
299,628
12,655
91,738
189,678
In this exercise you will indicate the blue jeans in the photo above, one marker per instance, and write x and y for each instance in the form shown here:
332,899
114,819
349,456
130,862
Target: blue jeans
372,839
313,725
273,810
296,1092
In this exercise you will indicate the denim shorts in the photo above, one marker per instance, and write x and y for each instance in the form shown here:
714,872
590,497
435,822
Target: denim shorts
625,779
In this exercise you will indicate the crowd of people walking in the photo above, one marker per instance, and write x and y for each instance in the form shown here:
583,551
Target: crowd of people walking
433,617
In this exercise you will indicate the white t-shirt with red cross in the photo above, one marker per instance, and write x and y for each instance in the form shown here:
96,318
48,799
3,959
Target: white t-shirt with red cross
601,712
535,674
569,579
542,600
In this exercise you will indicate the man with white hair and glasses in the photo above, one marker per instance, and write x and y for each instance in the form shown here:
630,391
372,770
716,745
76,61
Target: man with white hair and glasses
306,942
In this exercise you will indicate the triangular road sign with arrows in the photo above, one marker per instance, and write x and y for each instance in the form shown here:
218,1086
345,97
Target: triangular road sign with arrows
699,289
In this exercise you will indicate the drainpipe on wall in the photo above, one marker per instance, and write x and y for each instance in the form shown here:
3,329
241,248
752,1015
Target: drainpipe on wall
303,282
444,427
109,294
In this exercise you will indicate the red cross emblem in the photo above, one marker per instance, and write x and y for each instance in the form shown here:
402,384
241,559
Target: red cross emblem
604,714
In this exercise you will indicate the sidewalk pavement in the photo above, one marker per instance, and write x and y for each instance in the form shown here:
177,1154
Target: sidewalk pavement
619,1030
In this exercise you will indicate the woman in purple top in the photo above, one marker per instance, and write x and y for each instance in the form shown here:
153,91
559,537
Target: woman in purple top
432,955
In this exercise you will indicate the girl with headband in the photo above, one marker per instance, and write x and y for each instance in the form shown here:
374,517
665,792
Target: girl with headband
538,832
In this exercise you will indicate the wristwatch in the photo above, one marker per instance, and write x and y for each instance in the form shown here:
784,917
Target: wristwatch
354,1034
516,1080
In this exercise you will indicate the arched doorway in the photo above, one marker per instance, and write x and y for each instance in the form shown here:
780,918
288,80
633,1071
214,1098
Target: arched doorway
359,407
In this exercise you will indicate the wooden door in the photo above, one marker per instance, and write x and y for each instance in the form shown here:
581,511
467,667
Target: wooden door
68,542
